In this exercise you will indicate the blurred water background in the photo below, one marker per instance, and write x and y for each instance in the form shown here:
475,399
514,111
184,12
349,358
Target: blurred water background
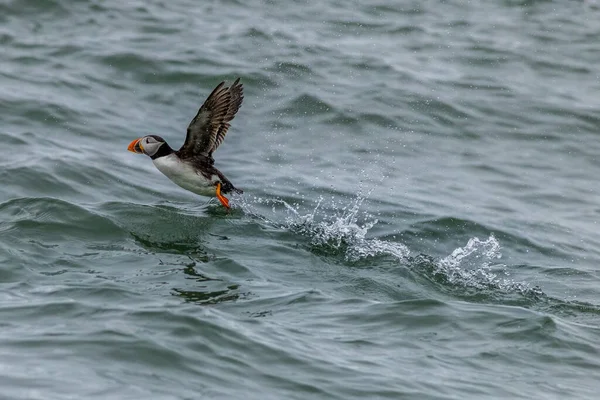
420,216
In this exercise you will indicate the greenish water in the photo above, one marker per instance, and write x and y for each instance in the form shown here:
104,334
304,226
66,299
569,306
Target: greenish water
420,216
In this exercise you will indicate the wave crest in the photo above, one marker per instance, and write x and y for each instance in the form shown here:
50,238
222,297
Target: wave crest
472,266
345,232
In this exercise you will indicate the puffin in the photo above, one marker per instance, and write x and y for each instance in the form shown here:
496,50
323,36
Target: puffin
192,166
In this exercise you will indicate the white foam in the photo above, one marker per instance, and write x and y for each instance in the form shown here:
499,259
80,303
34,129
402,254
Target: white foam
346,230
472,266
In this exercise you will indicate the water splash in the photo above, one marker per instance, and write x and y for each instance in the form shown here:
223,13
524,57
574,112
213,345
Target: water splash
345,231
472,266
471,263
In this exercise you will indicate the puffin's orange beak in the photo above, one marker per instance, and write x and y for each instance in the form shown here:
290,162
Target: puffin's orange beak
136,147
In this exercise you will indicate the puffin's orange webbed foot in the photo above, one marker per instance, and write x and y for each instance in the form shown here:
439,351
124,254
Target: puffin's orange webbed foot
222,198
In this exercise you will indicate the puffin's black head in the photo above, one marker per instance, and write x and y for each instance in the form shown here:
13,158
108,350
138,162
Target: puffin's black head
151,145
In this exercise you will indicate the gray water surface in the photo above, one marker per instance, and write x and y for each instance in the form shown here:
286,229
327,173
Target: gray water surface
420,216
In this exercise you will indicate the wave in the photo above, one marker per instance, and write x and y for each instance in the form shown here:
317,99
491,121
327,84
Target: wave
472,272
339,232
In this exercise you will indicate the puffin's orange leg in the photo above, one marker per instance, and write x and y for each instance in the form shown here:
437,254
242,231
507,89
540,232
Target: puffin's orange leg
222,198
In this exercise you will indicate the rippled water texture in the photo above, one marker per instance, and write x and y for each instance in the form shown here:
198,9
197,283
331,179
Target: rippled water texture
420,216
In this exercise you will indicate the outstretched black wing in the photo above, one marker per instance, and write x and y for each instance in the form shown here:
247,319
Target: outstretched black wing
209,127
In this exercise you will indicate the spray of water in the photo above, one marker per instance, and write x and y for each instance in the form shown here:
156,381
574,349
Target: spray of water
346,230
474,264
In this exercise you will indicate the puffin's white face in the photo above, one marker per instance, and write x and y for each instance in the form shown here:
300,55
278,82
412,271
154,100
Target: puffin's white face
148,145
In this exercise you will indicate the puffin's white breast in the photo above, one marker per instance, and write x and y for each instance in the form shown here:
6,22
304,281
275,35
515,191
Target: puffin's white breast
185,175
